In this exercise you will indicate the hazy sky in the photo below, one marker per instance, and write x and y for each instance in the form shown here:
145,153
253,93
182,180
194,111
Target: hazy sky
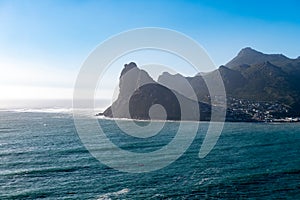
44,43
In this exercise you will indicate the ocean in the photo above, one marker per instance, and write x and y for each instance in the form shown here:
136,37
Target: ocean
42,157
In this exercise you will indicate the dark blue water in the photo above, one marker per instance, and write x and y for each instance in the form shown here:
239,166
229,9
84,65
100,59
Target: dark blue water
41,156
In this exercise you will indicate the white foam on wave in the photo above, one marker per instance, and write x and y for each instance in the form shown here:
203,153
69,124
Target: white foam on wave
151,120
137,120
40,110
110,195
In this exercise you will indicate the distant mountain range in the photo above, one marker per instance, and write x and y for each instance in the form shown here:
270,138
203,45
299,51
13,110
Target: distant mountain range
269,83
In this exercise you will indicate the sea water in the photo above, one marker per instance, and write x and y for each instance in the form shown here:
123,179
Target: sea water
42,156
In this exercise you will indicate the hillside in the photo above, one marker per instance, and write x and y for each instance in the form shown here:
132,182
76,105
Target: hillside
258,87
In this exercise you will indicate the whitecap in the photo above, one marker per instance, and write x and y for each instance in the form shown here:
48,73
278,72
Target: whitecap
108,196
40,110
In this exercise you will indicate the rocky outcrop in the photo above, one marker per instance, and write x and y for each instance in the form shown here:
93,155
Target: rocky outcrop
138,93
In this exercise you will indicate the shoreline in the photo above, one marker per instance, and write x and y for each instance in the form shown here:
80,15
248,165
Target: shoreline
275,121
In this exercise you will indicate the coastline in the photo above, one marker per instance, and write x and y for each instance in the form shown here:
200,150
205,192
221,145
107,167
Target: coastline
274,121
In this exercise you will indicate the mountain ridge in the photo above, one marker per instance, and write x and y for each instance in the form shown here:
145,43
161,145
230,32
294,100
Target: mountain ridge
249,56
137,95
251,76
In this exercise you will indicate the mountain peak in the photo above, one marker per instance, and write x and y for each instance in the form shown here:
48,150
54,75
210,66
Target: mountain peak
248,51
128,67
222,67
249,56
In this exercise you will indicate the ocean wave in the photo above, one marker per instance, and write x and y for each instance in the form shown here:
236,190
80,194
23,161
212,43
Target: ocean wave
110,195
148,120
40,170
39,110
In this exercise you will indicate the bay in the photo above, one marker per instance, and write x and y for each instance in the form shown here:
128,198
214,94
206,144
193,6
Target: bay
42,156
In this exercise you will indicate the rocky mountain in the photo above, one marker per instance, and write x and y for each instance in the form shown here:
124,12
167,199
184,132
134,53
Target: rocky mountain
258,86
138,92
249,56
268,77
180,84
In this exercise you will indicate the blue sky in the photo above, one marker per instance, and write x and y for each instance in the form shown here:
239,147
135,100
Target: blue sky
43,43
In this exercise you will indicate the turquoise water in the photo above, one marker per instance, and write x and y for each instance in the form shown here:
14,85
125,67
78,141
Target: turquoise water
41,156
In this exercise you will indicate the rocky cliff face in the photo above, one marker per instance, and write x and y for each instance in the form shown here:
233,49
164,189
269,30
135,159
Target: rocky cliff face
131,79
138,93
